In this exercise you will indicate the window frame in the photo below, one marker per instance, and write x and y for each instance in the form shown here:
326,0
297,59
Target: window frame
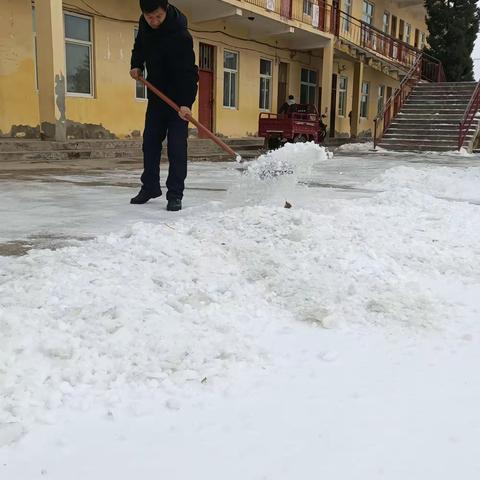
342,96
347,7
308,8
364,100
365,14
269,79
309,85
423,40
84,43
231,72
386,25
381,96
137,83
407,28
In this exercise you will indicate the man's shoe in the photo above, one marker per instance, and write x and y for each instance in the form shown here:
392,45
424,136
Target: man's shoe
174,205
143,197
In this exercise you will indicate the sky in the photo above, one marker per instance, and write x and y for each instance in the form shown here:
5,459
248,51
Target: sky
476,59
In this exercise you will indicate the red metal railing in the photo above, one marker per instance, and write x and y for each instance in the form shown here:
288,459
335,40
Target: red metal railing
369,38
469,116
330,19
425,68
318,15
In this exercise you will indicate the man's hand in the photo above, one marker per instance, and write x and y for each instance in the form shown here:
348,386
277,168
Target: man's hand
136,73
185,113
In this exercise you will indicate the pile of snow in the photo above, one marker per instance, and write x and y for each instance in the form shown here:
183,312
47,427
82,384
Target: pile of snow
295,159
162,307
449,182
275,174
358,147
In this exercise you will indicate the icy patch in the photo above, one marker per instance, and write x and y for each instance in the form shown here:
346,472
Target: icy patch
449,182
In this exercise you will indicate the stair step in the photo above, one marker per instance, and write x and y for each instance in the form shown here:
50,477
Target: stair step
410,148
440,104
431,116
422,137
406,141
433,111
428,129
434,96
15,145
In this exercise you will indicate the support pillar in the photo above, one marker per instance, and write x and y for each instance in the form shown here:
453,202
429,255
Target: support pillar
327,72
51,69
357,93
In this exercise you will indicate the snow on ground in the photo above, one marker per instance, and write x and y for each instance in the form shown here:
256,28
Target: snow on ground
249,341
451,182
358,147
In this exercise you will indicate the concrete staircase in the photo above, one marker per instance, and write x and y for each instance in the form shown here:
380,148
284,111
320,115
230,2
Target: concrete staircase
429,120
36,151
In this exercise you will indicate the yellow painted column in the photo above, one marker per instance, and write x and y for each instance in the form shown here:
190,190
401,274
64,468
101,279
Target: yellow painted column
51,69
327,72
357,92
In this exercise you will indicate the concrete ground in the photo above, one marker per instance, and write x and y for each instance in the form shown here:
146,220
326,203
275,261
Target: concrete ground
53,204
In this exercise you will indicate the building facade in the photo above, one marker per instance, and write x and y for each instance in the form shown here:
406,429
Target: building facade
64,66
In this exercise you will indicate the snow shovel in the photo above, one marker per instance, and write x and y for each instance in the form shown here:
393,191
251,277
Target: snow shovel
201,127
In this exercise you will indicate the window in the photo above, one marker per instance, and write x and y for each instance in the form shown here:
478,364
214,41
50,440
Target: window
422,41
381,99
367,17
408,33
265,84
35,45
308,86
140,89
367,12
347,7
308,7
364,100
230,74
78,46
386,23
342,96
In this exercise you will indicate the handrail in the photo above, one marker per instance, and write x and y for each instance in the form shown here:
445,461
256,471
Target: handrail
422,69
469,115
360,33
331,19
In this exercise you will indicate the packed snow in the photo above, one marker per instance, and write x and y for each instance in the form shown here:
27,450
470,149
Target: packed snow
450,182
253,341
358,147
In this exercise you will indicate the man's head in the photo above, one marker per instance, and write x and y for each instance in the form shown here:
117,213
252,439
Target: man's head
291,97
154,11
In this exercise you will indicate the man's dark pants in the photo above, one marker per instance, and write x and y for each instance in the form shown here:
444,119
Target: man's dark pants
163,122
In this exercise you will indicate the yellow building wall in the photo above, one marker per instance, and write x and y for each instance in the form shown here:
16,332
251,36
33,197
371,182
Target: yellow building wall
18,96
243,120
113,106
375,78
414,15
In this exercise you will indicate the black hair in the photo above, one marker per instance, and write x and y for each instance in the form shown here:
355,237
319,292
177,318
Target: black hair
291,97
149,6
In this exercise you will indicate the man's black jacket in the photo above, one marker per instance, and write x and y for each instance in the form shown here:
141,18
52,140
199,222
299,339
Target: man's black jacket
168,55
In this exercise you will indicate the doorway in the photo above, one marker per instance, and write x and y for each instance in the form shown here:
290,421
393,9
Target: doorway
206,86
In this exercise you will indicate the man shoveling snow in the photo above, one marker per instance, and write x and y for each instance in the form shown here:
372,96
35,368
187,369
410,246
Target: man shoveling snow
165,47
